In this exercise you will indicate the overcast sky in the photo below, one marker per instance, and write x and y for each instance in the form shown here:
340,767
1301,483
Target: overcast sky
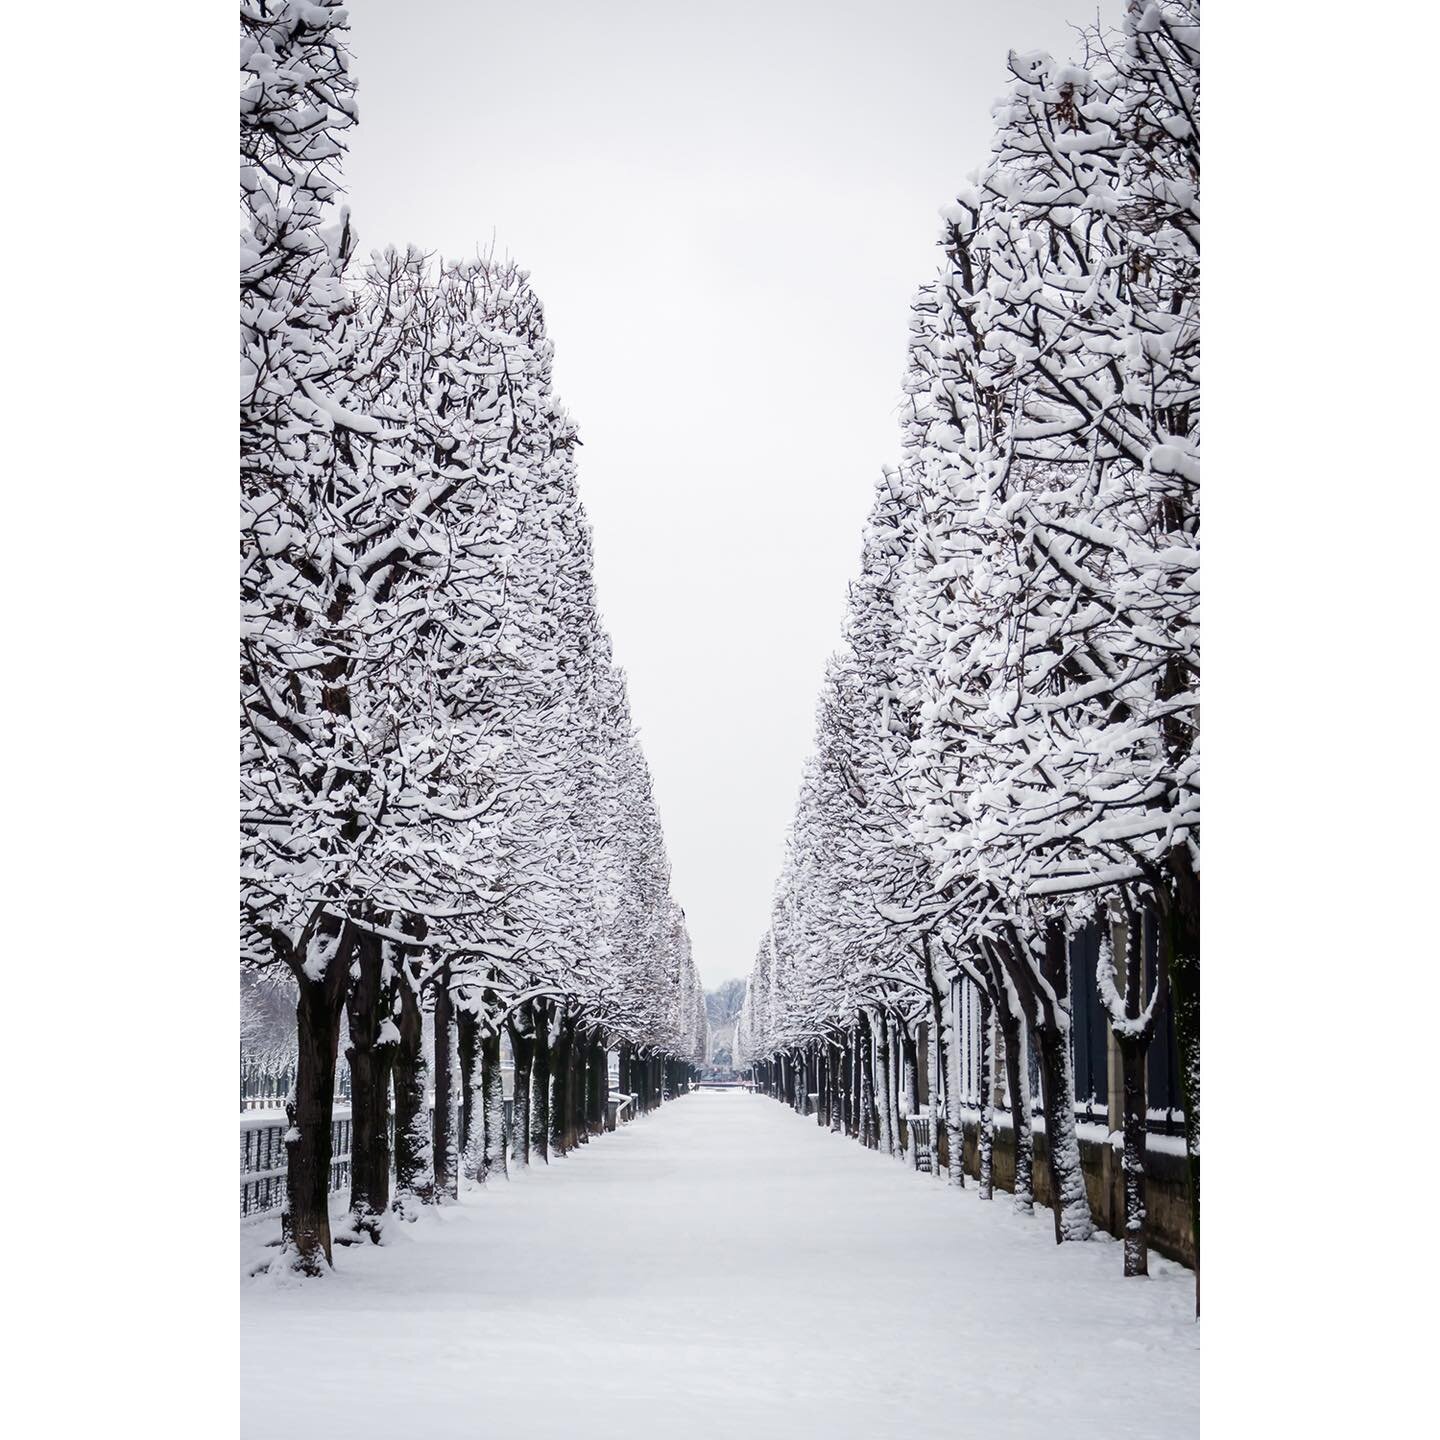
725,208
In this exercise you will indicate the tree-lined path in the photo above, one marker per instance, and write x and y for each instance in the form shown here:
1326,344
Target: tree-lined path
722,1267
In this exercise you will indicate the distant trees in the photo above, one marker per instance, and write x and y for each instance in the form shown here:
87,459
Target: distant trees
723,1003
722,1010
1008,741
446,821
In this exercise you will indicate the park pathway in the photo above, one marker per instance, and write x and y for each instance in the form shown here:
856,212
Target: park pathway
721,1268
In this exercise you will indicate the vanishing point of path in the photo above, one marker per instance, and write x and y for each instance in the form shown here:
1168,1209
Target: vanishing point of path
722,1268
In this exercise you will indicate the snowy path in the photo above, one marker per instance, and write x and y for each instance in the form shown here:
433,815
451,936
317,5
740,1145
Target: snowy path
722,1268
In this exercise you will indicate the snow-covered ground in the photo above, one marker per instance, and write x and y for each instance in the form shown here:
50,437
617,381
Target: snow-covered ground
722,1268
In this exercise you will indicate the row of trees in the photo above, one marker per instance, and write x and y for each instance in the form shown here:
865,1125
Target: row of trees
446,819
1007,741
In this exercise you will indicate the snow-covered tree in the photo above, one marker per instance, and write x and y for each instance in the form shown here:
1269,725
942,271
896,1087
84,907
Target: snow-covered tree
1053,604
846,992
1007,743
445,816
305,653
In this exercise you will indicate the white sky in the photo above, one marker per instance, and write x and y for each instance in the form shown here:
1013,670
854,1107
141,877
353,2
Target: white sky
725,209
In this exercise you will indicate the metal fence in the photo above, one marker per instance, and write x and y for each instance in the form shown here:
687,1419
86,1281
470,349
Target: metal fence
262,1157
1090,1042
262,1153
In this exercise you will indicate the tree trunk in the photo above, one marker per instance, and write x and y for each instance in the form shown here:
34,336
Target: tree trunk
869,1109
597,1086
577,1129
893,1078
1133,1040
987,1100
1180,953
857,1083
309,1138
883,1108
414,1167
1017,1083
540,1083
492,1097
568,1080
560,1070
447,1159
909,1088
472,1121
954,1095
371,1054
522,1047
1132,1059
625,1080
1067,1177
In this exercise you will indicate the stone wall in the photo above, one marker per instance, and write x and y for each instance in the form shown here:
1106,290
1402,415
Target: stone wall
1167,1187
